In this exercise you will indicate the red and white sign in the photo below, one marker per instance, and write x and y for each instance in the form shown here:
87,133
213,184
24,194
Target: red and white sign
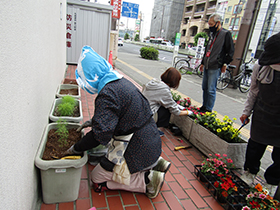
117,4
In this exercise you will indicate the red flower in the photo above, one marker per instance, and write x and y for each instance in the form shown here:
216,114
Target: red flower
216,184
225,194
255,204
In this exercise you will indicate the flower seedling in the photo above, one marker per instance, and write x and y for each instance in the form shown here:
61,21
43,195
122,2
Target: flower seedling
65,109
222,128
62,132
67,106
259,199
225,186
69,99
218,165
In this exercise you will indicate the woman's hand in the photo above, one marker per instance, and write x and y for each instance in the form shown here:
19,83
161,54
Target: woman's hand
186,112
71,151
243,118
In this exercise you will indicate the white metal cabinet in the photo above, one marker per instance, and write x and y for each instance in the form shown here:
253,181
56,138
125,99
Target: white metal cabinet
87,24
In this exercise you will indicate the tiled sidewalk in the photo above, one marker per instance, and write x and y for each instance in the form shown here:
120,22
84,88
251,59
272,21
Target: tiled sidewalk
181,189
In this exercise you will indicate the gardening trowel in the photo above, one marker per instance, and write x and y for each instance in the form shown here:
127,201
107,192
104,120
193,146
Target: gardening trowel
85,125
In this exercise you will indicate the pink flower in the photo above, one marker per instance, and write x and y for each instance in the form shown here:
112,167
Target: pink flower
225,155
229,160
262,196
246,208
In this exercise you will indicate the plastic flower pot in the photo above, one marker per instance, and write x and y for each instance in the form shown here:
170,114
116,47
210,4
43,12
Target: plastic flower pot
65,87
60,178
54,118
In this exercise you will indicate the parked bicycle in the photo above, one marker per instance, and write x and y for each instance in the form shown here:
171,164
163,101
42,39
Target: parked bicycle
183,65
241,80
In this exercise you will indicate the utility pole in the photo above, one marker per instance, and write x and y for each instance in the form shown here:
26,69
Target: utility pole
162,21
245,32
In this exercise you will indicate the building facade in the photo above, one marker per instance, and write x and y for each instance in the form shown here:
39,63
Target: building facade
194,19
166,18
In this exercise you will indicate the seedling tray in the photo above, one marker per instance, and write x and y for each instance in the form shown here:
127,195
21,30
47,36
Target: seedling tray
236,200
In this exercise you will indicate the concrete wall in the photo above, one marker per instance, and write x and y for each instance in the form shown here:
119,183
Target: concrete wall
32,65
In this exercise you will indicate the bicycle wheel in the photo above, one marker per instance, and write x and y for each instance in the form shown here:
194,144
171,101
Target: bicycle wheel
183,66
198,72
224,80
245,83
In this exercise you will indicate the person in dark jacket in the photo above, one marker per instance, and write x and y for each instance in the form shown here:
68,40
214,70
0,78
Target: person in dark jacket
123,121
218,53
263,100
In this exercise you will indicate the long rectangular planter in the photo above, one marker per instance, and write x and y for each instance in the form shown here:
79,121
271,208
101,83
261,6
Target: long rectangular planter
185,124
60,178
68,87
54,118
209,143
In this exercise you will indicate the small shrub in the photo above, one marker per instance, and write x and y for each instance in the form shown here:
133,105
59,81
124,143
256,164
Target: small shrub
62,132
149,53
65,109
126,36
136,38
69,99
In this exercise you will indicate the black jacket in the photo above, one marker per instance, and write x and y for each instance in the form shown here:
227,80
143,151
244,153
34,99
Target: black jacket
222,50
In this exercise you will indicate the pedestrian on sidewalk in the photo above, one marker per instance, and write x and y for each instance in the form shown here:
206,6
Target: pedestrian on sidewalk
160,97
123,121
218,54
263,101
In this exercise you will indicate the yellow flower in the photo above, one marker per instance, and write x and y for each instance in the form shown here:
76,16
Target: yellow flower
219,130
229,127
215,112
217,120
234,118
229,120
226,116
206,124
225,128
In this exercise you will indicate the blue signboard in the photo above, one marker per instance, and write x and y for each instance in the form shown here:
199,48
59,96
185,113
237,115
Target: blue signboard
130,10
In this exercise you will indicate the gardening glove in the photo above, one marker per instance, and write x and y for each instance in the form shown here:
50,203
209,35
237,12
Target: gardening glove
189,112
85,125
181,107
72,151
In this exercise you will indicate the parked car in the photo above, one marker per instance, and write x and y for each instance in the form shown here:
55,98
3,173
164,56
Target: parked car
120,41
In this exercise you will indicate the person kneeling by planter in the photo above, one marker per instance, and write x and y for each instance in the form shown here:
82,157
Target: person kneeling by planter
160,97
123,121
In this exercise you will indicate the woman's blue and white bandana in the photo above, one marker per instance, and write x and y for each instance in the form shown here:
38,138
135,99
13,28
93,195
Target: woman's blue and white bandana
93,71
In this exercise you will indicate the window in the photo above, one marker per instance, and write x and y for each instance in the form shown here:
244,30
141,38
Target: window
226,20
237,9
184,32
229,9
234,21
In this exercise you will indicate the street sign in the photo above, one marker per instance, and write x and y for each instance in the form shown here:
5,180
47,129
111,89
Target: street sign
116,13
130,10
200,48
177,39
176,47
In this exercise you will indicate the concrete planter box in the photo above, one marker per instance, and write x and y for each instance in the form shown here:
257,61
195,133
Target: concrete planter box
67,118
185,124
67,87
60,178
209,143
